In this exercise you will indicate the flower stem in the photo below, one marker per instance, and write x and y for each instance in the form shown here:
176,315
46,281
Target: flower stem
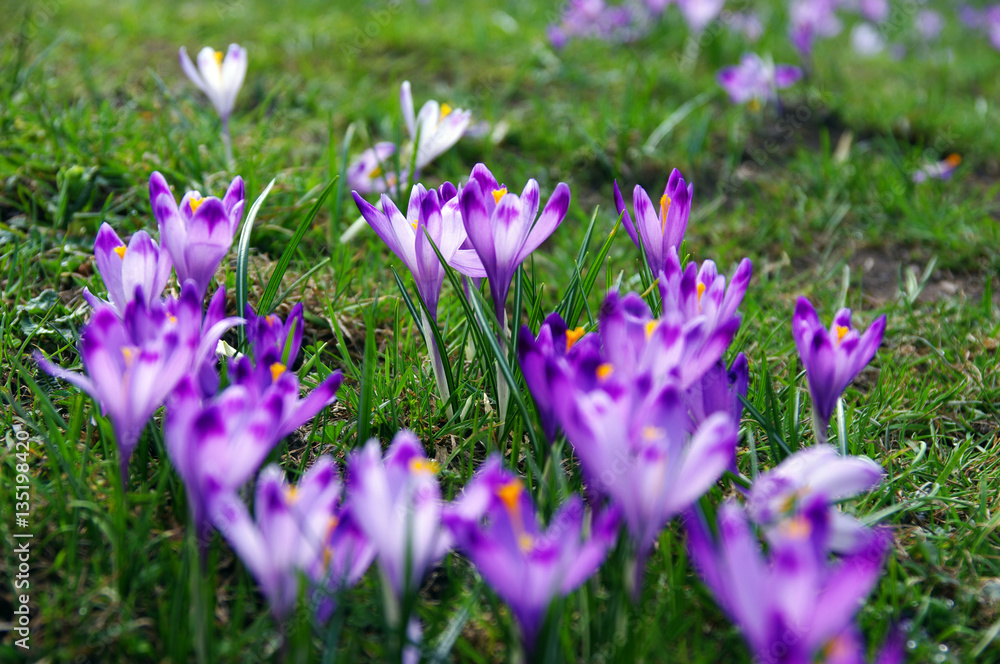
503,390
436,363
227,143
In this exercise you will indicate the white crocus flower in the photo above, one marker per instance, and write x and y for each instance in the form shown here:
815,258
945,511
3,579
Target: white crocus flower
435,129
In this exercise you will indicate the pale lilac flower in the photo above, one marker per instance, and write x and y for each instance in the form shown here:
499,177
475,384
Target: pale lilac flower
699,13
757,79
929,24
199,233
297,530
594,19
123,269
810,19
941,170
367,175
218,76
748,23
396,501
435,129
866,40
780,494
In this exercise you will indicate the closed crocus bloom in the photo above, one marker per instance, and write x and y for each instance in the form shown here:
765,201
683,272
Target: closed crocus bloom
133,363
218,76
264,332
658,227
293,533
435,129
503,229
198,233
832,358
780,494
495,524
555,344
795,590
123,269
757,79
396,501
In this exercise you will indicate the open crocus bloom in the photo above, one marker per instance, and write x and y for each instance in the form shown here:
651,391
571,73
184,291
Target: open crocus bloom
502,227
780,494
123,269
701,292
218,76
199,233
264,332
132,363
431,213
832,358
435,129
796,590
366,174
295,531
757,79
661,227
495,523
396,501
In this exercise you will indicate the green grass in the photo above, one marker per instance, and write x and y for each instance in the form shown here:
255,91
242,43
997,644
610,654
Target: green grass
92,99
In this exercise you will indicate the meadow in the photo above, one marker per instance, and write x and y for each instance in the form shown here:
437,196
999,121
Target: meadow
817,191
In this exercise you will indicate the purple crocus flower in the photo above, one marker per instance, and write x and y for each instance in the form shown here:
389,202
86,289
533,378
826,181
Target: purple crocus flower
124,268
832,358
555,343
659,228
701,292
396,501
366,174
796,590
297,530
940,170
810,19
132,363
757,80
929,24
780,494
502,227
866,40
595,19
199,233
699,13
719,391
495,524
270,331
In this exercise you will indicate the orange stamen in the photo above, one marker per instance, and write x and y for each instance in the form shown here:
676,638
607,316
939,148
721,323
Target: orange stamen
572,336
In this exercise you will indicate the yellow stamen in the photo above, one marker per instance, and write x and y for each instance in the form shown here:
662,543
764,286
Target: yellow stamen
953,160
604,370
754,104
195,202
172,319
799,528
664,206
572,336
377,171
331,526
509,494
120,251
424,466
128,353
651,327
269,319
414,224
525,542
701,291
219,57
498,194
445,111
276,370
291,494
327,554
841,331
652,433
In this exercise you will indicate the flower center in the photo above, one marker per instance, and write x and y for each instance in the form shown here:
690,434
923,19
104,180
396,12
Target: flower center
218,58
445,112
664,206
128,354
652,433
651,327
701,291
604,370
953,160
276,370
420,466
841,331
120,251
572,336
291,494
498,194
195,203
377,171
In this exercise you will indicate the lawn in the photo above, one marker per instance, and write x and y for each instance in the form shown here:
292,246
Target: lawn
818,193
